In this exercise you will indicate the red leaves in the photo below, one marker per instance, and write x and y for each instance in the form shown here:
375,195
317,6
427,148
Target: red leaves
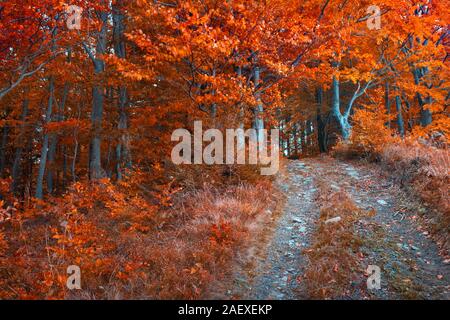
3,244
68,125
221,234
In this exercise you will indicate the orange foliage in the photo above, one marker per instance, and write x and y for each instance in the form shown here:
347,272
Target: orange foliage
370,132
125,247
87,116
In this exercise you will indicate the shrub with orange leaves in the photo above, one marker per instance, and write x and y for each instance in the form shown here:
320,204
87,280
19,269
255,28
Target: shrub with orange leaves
370,131
129,241
369,135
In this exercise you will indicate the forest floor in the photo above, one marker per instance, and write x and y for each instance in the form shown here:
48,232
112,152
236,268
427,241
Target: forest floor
395,238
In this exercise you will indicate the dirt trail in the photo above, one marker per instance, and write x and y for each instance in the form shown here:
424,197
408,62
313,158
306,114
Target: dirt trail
277,275
394,240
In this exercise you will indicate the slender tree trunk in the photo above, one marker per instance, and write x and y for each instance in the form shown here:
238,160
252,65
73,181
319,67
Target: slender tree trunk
123,156
295,134
302,136
425,114
45,142
344,125
95,158
213,108
387,103
122,149
15,172
282,139
74,161
54,141
408,107
109,170
28,183
400,124
96,170
5,132
288,140
64,171
309,133
258,122
76,146
321,135
241,116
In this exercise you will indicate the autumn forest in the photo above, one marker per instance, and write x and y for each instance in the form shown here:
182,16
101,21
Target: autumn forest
105,194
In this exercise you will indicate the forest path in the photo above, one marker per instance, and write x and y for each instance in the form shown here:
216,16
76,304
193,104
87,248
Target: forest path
277,274
393,239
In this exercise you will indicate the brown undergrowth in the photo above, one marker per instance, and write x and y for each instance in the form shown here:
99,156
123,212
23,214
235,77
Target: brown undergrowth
129,245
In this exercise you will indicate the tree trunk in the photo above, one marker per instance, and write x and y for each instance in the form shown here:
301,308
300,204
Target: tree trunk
96,170
387,103
288,146
408,108
44,149
5,132
400,124
241,116
321,126
18,154
309,132
342,121
122,150
123,157
295,134
54,141
425,114
258,122
303,137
